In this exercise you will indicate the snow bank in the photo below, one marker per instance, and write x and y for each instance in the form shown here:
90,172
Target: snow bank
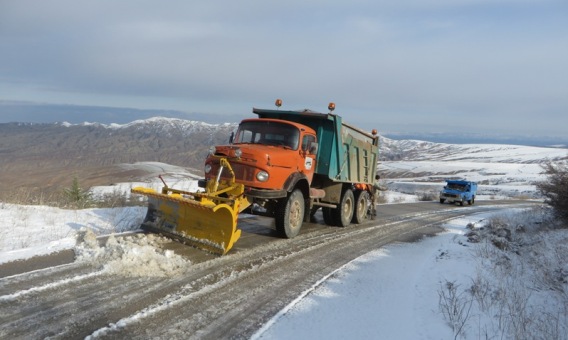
137,255
39,230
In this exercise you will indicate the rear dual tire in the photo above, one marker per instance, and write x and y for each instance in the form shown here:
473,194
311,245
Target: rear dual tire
346,210
360,214
328,215
343,214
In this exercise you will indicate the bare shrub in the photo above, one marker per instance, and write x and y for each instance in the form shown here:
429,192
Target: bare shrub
455,306
116,198
427,196
481,291
31,196
555,188
528,258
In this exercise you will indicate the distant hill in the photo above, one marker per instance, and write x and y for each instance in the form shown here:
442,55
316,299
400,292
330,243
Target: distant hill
47,156
30,112
413,166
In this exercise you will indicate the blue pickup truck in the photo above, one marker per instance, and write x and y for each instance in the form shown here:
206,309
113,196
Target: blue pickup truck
458,191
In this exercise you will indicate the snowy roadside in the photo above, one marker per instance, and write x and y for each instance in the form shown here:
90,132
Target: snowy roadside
29,231
443,287
440,287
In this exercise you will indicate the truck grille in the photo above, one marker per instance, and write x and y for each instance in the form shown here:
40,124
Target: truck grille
243,172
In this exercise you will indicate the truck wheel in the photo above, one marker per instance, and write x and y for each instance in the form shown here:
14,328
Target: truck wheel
461,203
361,207
471,201
442,200
327,215
290,215
344,212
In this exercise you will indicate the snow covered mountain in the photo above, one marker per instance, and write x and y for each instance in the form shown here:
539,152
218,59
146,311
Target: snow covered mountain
412,166
36,155
491,153
162,125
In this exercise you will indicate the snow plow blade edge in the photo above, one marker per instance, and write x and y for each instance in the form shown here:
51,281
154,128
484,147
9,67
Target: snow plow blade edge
199,222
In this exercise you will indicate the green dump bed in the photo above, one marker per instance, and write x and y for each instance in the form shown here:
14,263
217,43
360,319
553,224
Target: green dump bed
345,153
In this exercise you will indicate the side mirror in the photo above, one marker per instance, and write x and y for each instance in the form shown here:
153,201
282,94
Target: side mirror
314,148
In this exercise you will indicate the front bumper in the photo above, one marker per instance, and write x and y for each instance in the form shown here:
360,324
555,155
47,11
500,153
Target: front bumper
451,197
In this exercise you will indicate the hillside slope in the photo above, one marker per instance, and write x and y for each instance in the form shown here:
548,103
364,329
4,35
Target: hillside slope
411,166
48,156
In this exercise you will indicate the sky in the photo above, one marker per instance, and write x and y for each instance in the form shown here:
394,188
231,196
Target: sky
493,66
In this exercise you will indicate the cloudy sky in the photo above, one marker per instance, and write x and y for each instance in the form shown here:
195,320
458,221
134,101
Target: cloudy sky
495,66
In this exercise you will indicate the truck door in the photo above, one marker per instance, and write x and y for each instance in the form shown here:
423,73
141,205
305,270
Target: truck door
309,149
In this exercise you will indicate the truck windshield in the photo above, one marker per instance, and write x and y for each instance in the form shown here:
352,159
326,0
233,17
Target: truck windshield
455,186
268,133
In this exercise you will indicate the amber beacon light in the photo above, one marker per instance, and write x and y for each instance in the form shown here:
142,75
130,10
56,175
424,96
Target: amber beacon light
331,107
278,102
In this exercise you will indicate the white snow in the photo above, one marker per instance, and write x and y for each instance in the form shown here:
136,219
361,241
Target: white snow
174,176
163,123
402,291
136,255
395,293
38,230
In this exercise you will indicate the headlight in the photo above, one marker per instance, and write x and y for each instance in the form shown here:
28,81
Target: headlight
262,176
212,150
238,153
207,168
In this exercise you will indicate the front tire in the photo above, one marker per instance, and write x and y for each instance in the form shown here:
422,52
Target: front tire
290,215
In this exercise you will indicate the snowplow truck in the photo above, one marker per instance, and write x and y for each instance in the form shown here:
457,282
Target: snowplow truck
282,164
458,191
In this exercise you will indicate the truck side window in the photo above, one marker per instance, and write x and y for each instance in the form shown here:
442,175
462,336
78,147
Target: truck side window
307,142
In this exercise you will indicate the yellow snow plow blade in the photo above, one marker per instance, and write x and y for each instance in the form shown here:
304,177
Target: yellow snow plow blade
203,219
